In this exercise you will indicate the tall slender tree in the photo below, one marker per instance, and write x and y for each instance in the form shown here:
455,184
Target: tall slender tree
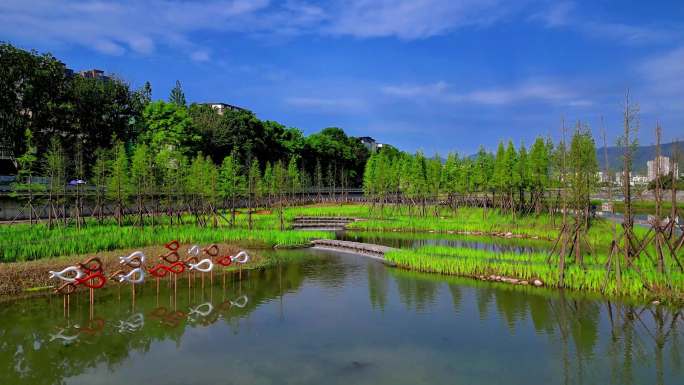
118,186
177,95
231,183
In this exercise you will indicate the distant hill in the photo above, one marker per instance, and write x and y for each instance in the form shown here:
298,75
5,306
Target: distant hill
642,155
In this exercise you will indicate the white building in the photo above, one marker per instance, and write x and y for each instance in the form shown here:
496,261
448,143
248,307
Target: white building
664,163
634,179
223,107
370,143
639,180
603,178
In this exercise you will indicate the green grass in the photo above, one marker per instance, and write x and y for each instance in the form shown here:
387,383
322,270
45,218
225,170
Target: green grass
466,220
23,242
393,239
648,206
529,266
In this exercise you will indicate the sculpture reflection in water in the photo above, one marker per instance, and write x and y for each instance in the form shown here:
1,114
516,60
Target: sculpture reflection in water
572,338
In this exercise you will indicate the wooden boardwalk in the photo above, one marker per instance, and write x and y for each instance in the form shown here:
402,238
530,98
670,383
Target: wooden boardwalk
365,249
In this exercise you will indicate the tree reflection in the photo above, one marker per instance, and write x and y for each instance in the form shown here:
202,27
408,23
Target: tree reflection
378,281
629,337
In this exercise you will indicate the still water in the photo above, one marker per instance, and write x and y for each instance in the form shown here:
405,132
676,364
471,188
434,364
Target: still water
334,318
415,240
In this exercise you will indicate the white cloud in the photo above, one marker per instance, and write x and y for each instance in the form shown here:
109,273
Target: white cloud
564,14
414,19
324,103
544,91
420,90
662,83
200,55
556,15
666,71
116,27
626,34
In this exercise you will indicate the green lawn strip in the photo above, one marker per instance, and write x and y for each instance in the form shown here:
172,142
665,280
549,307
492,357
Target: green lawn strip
592,277
24,242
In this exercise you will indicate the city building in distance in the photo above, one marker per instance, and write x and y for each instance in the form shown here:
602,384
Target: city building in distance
93,74
665,165
222,107
370,143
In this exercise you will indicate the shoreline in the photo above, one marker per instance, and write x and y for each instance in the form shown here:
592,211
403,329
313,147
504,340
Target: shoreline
31,277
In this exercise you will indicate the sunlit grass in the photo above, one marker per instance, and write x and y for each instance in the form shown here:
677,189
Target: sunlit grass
529,266
23,242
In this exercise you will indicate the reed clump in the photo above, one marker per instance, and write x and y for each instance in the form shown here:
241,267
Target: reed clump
642,281
24,242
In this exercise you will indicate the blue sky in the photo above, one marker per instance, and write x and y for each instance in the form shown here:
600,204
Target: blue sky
436,75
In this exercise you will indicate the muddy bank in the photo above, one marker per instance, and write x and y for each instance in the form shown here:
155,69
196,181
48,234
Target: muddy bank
32,276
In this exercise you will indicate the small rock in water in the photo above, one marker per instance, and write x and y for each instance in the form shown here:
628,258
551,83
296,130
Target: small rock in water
355,366
509,235
538,282
656,302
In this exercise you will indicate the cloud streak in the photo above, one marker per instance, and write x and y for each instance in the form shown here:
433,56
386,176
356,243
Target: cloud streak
541,91
326,104
118,27
565,14
414,19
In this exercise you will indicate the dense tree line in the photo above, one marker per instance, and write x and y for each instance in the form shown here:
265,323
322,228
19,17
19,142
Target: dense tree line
38,94
68,127
513,180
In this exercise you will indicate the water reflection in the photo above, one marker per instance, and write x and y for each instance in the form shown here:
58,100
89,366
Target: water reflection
336,318
416,240
635,343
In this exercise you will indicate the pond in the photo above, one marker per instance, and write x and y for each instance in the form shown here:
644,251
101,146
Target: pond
337,318
415,240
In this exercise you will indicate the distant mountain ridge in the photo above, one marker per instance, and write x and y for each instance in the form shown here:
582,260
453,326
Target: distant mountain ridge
641,155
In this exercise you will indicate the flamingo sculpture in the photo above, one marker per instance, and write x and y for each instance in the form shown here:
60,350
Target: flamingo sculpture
135,259
241,257
135,276
204,266
63,274
90,273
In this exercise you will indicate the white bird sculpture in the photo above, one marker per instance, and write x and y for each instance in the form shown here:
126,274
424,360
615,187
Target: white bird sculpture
63,274
241,257
134,276
194,250
204,266
131,258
